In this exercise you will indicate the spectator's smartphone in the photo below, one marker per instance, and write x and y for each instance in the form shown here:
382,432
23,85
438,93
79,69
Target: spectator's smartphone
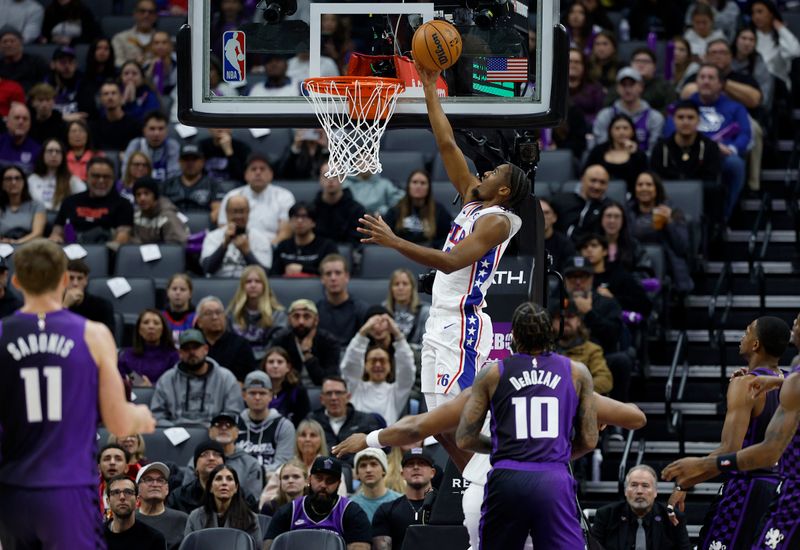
240,231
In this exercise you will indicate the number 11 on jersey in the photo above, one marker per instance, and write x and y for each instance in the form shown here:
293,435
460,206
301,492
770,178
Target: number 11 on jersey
33,393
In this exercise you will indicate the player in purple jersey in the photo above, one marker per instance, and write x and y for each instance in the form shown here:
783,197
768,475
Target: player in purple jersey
732,520
537,399
56,371
781,530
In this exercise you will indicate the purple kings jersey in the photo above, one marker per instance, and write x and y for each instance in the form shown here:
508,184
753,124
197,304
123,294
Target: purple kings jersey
533,409
331,522
48,402
758,425
789,464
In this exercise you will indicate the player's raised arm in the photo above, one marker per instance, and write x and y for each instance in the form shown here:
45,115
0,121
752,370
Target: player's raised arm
454,161
119,417
586,434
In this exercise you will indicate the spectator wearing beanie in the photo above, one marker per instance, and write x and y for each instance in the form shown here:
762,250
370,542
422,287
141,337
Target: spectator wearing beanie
155,218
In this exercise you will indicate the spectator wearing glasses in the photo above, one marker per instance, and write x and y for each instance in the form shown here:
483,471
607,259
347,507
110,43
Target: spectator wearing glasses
134,43
21,217
237,244
123,532
153,484
51,181
99,214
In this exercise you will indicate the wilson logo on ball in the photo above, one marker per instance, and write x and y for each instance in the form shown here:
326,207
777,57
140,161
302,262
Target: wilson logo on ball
439,51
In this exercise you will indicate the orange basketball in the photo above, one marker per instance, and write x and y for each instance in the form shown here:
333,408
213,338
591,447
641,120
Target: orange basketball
436,45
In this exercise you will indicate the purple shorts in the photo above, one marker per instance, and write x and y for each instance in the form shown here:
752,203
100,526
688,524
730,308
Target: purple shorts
64,518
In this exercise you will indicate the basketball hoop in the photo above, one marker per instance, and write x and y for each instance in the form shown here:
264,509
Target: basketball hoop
353,111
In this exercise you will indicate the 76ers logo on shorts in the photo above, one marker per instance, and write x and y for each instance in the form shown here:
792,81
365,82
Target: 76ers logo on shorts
233,68
442,379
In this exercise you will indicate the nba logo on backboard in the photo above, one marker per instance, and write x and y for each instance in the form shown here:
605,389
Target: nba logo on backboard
233,69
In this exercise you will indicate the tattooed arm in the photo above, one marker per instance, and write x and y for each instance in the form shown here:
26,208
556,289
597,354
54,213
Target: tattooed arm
468,434
586,417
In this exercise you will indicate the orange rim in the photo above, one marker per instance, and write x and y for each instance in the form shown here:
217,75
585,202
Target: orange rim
346,86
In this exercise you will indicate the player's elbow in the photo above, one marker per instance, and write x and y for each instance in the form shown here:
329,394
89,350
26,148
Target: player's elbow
639,420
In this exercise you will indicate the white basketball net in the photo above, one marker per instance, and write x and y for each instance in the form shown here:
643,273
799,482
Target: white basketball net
354,128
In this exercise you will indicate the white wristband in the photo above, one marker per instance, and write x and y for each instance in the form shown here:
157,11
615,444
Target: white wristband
372,439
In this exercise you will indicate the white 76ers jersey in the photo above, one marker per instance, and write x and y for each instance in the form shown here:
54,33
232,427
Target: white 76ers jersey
466,288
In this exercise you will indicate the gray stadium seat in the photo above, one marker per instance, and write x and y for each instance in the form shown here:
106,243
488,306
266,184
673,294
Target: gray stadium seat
113,24
159,448
199,220
222,288
141,296
130,264
215,538
303,191
411,139
263,522
438,173
113,156
45,51
372,291
444,193
306,539
119,328
313,398
289,290
687,196
544,189
273,145
81,51
142,396
378,262
556,166
170,24
659,261
398,165
97,259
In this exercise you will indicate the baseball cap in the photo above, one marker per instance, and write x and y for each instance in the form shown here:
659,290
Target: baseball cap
64,51
191,336
577,264
304,303
10,29
208,446
148,183
417,452
326,465
376,310
231,417
629,72
257,379
377,454
256,156
157,466
191,150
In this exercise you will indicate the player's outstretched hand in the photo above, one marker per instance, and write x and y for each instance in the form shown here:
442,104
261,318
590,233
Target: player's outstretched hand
353,444
676,500
426,76
764,384
684,470
376,231
147,422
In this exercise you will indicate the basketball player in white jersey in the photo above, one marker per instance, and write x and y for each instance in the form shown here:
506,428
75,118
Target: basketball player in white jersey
458,334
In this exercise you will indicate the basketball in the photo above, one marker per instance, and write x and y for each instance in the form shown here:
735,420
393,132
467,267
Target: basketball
436,45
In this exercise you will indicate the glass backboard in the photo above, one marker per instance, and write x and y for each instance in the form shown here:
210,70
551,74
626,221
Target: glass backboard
248,70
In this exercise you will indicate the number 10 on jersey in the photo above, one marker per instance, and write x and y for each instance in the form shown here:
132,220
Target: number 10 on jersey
33,393
540,408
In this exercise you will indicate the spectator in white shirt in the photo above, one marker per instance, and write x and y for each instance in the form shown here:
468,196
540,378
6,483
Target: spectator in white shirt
378,366
776,43
24,15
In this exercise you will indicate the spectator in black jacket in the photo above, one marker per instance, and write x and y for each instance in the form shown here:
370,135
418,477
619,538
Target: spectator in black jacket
77,300
418,217
207,456
301,254
305,155
9,301
611,279
225,155
224,346
555,242
337,210
313,351
579,211
338,418
113,128
46,121
686,154
339,312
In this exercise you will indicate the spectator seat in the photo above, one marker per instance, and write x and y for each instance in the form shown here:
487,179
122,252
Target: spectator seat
378,262
221,287
444,193
303,191
142,395
556,165
398,165
97,259
113,24
290,289
372,291
129,262
215,538
263,522
438,173
313,397
141,296
411,139
159,448
198,221
308,538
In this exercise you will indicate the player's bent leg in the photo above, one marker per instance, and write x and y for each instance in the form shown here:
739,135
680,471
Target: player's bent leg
734,520
782,529
505,517
52,519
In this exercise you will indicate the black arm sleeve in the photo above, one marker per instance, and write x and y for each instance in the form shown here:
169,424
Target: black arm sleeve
280,523
212,264
356,525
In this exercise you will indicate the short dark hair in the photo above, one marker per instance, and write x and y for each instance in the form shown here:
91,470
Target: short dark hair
686,104
94,161
121,477
586,239
154,115
719,41
645,50
108,446
111,82
532,328
297,207
78,265
334,378
773,333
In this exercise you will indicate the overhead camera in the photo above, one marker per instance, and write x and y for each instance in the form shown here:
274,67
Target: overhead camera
275,10
486,14
526,151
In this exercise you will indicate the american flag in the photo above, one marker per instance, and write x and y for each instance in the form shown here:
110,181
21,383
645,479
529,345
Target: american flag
506,69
